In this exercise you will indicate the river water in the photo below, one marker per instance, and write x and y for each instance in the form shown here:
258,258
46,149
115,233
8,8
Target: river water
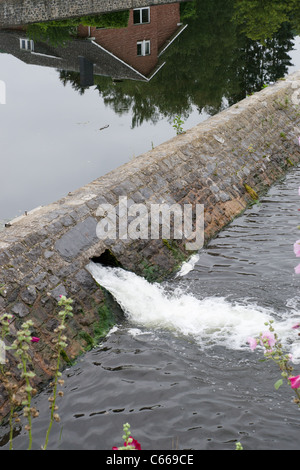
178,367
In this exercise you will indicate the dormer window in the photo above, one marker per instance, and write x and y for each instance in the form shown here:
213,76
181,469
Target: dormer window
26,44
141,15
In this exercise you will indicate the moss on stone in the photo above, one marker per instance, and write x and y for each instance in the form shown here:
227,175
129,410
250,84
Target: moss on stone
253,194
106,321
151,272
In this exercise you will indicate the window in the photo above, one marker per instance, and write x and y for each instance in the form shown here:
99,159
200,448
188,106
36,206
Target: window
141,15
143,48
26,44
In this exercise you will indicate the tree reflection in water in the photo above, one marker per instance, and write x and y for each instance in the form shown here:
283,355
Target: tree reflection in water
229,50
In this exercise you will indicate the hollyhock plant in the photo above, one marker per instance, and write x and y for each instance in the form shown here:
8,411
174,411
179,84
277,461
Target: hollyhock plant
268,338
252,343
130,443
274,352
34,339
297,248
133,443
297,269
295,381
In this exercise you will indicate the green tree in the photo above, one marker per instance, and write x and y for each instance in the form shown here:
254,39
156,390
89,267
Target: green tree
261,19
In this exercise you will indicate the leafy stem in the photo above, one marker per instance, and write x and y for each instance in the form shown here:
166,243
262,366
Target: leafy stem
21,347
61,344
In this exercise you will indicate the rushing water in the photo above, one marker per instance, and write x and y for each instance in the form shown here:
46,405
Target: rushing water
178,368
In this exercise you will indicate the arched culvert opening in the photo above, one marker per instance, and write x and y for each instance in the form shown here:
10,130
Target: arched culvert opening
111,310
107,258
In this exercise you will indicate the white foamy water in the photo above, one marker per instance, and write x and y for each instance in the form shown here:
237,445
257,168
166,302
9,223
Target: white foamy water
209,321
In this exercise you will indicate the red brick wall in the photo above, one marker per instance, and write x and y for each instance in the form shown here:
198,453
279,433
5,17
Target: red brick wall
82,31
123,42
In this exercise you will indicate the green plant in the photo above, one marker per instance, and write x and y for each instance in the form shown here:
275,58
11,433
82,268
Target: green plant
174,249
129,442
60,343
58,32
273,351
177,124
20,347
150,272
5,375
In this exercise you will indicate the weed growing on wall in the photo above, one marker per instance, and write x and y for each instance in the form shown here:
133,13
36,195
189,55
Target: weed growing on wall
177,124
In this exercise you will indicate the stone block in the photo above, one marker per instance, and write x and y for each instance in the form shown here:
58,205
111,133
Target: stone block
77,239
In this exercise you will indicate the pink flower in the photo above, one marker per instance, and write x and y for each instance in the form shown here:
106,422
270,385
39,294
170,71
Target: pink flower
297,248
34,339
269,337
295,381
135,444
296,326
252,343
297,269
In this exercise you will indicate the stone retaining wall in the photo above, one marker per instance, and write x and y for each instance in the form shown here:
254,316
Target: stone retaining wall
222,163
20,12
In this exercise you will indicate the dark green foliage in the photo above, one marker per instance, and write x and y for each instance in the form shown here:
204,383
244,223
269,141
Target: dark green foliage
188,10
114,20
261,19
58,32
52,34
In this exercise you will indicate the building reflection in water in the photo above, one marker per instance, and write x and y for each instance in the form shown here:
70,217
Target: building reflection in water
134,52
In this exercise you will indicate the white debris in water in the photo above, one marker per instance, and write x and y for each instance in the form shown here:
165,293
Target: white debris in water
112,330
188,266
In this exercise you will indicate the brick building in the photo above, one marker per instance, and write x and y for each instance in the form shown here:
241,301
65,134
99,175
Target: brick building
132,53
150,31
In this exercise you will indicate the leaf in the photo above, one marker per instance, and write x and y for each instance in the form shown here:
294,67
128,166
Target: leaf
278,384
